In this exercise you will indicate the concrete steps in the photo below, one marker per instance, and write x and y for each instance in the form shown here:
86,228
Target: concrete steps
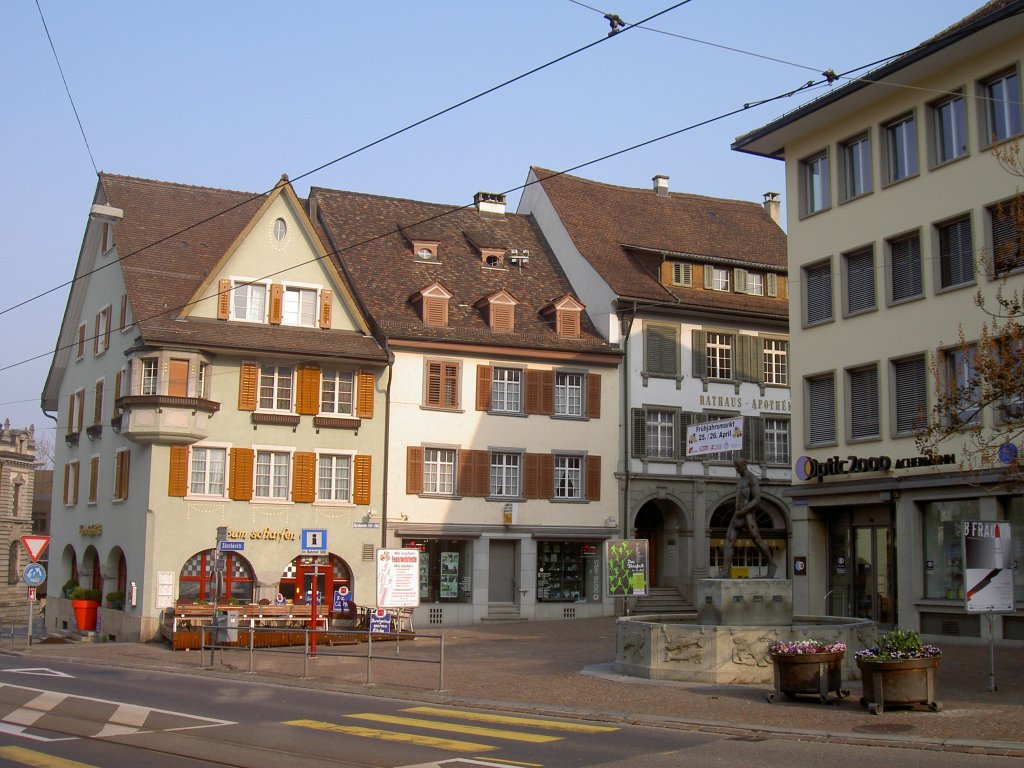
502,613
662,600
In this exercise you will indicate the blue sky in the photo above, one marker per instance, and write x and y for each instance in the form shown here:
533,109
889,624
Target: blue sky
234,94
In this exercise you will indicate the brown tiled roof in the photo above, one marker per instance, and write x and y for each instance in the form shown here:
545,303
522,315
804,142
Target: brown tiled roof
364,231
163,269
622,232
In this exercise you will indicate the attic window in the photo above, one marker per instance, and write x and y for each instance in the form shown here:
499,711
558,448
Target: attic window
500,311
424,251
435,310
107,237
492,257
567,323
280,229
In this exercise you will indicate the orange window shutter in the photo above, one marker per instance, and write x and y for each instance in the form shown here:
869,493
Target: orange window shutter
414,469
67,483
224,300
117,388
97,405
466,469
248,385
108,314
594,395
593,480
74,484
96,336
531,486
304,477
325,308
546,475
482,474
531,401
433,384
241,474
126,462
94,478
177,476
483,387
666,272
547,392
71,413
308,393
123,317
361,481
276,303
364,395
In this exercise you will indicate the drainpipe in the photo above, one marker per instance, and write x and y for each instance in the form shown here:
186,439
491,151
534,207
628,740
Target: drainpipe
387,453
625,420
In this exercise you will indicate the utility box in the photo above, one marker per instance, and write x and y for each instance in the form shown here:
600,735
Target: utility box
227,627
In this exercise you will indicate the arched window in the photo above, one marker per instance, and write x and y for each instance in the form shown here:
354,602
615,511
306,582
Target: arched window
12,562
194,580
744,553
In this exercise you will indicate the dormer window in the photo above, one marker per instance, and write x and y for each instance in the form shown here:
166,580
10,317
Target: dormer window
493,257
500,311
568,316
433,301
677,273
425,250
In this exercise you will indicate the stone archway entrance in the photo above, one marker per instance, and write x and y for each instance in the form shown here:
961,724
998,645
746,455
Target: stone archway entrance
660,521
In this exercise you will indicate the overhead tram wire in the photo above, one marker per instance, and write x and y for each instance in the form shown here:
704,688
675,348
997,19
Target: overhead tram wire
746,107
328,164
74,109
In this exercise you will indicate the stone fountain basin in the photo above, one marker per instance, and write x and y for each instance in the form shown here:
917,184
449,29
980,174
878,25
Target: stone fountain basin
677,647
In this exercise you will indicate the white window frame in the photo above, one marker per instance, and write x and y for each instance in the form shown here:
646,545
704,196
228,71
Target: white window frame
569,393
149,376
569,476
959,368
660,440
777,444
337,396
208,481
775,356
949,136
1000,107
271,378
439,470
856,178
266,478
103,328
901,150
754,284
506,390
337,492
505,474
721,278
300,304
719,352
253,313
815,183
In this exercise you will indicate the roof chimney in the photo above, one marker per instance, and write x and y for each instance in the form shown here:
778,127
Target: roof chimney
772,204
661,184
490,202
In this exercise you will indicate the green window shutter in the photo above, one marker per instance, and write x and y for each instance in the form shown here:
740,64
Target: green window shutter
709,277
739,280
686,418
639,441
700,354
662,352
746,355
753,439
772,284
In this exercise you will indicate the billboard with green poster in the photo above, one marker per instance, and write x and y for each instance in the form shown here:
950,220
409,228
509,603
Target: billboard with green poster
627,567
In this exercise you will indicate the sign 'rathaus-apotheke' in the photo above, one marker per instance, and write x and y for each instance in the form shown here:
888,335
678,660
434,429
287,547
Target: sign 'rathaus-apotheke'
807,468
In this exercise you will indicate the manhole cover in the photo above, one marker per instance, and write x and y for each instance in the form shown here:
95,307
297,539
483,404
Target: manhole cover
884,728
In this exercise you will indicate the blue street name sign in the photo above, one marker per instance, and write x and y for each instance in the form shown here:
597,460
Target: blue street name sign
230,546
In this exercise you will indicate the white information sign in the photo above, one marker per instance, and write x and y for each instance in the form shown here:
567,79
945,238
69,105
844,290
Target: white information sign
398,578
714,436
988,567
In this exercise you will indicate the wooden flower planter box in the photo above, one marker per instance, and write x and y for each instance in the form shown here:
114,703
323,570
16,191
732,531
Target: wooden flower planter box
808,673
900,683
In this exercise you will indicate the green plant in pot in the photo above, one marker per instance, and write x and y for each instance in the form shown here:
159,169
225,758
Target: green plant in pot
900,669
808,666
85,593
115,600
69,586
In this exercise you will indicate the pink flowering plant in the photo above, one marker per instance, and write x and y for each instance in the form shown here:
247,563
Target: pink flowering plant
800,647
898,645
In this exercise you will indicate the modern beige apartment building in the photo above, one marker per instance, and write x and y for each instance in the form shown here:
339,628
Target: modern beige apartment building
895,195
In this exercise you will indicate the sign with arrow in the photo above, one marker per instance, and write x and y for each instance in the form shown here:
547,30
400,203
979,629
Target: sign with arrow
35,545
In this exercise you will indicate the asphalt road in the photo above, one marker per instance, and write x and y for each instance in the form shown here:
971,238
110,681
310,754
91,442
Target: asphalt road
94,716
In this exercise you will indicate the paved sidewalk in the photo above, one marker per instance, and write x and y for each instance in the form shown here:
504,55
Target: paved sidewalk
565,668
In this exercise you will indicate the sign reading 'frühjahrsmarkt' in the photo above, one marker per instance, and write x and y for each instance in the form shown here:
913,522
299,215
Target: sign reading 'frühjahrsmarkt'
714,436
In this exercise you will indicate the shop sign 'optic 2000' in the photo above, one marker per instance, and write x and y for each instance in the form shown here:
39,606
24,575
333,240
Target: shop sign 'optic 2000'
807,468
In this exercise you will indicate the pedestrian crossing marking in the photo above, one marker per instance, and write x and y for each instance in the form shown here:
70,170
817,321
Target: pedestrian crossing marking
529,722
418,740
472,730
23,756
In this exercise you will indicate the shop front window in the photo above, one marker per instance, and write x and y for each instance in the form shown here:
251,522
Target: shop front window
942,524
446,567
1015,517
568,571
194,582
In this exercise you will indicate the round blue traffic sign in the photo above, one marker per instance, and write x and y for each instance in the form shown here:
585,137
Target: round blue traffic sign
34,574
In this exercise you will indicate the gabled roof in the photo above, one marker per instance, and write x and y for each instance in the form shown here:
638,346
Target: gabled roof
163,271
624,232
364,230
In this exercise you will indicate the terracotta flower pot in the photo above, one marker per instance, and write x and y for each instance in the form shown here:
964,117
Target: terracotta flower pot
85,614
903,682
813,673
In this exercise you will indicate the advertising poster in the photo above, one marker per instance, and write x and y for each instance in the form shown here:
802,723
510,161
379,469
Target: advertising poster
627,567
714,437
450,574
398,578
988,567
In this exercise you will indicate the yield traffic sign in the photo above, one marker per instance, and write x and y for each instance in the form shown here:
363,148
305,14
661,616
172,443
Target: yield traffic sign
35,545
